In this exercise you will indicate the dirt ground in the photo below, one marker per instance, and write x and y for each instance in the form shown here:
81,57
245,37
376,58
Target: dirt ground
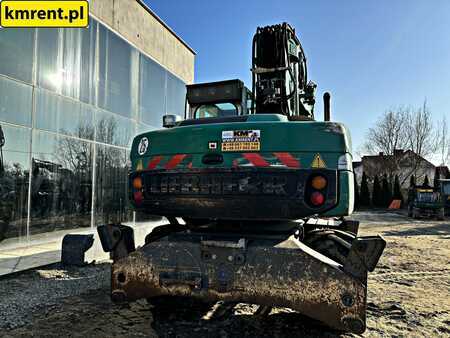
408,295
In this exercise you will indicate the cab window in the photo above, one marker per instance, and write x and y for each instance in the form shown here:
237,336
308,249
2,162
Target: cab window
427,197
215,110
446,188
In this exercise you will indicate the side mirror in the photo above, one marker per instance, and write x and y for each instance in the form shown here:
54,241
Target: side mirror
170,121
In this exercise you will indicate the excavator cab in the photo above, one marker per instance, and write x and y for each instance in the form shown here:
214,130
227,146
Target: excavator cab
218,99
213,101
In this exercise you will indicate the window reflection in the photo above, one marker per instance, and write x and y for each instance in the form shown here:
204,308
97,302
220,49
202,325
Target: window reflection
87,62
114,129
142,128
50,74
59,114
216,110
111,185
14,181
16,53
15,102
71,62
176,95
152,92
78,62
115,68
61,183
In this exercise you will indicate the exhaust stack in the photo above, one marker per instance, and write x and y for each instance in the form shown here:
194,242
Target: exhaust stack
326,107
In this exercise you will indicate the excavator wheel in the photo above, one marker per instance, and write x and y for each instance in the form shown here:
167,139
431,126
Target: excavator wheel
334,244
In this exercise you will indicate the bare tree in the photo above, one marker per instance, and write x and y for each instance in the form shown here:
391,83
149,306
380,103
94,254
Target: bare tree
388,135
420,132
403,128
443,141
421,139
389,132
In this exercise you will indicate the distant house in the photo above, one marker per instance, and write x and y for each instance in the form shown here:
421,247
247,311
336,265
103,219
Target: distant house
443,171
401,163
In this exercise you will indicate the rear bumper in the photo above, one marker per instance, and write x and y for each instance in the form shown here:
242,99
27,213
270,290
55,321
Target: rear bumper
267,271
241,193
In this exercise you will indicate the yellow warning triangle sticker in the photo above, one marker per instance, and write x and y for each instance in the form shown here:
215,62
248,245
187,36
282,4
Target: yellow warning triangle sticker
318,162
139,166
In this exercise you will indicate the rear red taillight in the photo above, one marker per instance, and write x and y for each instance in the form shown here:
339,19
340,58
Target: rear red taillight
138,197
317,198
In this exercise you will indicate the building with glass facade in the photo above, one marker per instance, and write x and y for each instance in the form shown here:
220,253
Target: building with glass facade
71,101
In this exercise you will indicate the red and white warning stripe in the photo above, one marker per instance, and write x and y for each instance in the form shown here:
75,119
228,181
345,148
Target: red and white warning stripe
288,160
276,160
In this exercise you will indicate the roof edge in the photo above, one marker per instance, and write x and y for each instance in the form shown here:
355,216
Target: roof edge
152,13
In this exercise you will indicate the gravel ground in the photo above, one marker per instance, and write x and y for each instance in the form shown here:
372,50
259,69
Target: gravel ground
26,293
409,295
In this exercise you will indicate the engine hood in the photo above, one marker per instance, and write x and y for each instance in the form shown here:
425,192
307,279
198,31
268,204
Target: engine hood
302,140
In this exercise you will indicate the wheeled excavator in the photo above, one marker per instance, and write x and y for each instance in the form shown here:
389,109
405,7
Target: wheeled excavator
256,193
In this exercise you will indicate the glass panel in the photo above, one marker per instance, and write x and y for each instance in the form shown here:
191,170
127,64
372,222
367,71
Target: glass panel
115,76
16,102
61,183
446,188
152,92
16,53
114,129
142,128
71,62
216,110
59,114
50,75
87,72
14,181
427,197
78,60
176,95
111,185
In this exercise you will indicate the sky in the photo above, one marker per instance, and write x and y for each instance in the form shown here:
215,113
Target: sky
371,55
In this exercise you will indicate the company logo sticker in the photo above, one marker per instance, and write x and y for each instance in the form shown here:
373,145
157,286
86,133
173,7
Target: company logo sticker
36,13
143,146
241,140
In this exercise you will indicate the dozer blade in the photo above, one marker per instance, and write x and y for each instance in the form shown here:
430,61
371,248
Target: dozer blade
271,271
